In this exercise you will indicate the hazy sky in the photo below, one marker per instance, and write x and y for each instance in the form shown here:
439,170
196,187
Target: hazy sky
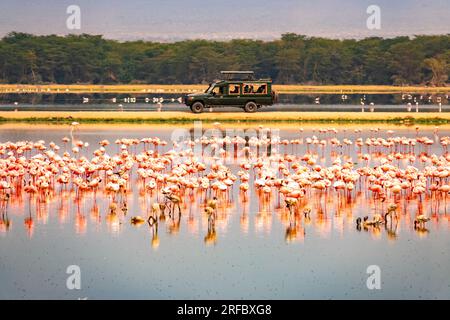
223,19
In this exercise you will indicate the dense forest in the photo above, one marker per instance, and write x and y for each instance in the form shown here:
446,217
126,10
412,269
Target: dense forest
25,58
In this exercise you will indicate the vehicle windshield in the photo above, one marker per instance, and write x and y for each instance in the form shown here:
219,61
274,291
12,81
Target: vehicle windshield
210,88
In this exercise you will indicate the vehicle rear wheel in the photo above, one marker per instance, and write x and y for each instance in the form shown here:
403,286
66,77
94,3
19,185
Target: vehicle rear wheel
197,107
250,107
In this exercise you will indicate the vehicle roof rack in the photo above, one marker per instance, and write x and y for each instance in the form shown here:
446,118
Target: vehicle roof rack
229,75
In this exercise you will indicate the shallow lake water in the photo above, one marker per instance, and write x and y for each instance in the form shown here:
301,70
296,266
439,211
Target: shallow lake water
404,102
254,251
181,107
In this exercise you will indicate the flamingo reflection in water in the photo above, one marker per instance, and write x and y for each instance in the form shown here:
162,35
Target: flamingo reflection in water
5,222
306,182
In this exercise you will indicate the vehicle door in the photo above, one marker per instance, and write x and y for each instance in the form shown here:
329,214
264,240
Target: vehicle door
217,95
233,96
256,91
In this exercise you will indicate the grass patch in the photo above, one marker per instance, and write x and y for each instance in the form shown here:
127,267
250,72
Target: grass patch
173,120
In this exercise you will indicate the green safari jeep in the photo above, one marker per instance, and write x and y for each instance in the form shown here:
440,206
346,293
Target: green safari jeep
239,89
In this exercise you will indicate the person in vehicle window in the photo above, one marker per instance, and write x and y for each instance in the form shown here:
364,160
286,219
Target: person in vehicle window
235,89
219,90
248,88
261,89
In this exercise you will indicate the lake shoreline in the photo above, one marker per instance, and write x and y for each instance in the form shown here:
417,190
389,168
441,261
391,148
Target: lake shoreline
227,117
191,88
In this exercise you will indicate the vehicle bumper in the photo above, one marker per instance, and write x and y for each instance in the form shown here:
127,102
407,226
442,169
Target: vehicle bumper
187,101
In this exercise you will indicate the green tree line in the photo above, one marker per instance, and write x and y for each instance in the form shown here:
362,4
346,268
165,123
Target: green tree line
26,58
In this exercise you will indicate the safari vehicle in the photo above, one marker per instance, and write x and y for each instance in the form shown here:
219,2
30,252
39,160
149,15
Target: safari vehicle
238,89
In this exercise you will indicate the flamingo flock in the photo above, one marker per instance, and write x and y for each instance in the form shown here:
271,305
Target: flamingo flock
299,179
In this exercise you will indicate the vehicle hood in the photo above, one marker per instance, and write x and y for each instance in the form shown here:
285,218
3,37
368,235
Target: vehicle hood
197,94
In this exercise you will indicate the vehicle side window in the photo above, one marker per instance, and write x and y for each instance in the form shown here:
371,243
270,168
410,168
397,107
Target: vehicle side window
233,89
255,88
262,89
217,90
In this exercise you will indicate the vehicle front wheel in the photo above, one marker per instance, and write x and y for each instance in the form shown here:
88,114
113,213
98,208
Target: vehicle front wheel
197,107
250,107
